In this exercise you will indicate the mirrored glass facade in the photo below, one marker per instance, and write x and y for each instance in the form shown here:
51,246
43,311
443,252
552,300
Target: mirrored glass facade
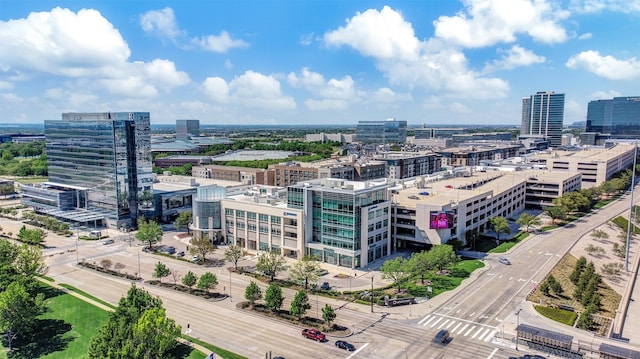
389,131
619,117
109,155
543,115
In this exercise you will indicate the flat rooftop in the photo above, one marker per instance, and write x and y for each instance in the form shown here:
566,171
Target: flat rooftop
595,154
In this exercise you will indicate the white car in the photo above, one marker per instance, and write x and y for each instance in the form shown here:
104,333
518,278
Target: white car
504,260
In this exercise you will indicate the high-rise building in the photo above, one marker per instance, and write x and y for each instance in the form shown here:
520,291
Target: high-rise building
106,159
543,115
185,129
618,117
389,131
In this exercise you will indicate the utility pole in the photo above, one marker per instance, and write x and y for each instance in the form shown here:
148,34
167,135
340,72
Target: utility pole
633,180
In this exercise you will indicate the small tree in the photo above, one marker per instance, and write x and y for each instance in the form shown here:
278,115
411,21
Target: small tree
300,304
528,220
396,270
183,221
594,250
556,212
305,270
556,287
421,263
328,314
233,254
270,263
500,226
201,247
442,255
273,298
598,234
252,293
161,271
611,269
207,281
149,232
189,279
106,263
175,275
118,266
18,311
544,287
620,250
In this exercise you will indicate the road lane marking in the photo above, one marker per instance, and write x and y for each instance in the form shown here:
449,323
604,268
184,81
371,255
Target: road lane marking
488,338
456,327
443,323
463,328
357,351
500,276
476,333
469,331
428,321
423,319
450,324
458,311
483,334
495,350
510,278
471,315
436,322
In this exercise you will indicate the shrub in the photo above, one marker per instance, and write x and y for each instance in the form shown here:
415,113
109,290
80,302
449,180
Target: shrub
559,315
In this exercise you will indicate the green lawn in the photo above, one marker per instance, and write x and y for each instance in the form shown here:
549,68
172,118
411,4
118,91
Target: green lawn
505,246
66,329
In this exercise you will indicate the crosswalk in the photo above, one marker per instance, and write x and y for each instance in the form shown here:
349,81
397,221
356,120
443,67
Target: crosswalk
457,326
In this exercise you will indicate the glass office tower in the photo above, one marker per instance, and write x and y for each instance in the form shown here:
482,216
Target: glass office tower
618,117
185,129
106,156
347,223
389,131
543,115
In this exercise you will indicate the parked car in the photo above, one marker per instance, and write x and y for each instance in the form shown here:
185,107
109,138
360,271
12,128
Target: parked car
171,250
504,260
325,286
180,254
195,258
108,241
345,345
313,334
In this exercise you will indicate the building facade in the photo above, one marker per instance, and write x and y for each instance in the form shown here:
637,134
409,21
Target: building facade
185,129
618,117
543,114
407,165
106,159
473,156
389,131
207,212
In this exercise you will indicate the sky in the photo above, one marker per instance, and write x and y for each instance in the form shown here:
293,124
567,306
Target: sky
325,62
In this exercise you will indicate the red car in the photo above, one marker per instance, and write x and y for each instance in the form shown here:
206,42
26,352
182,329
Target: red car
313,334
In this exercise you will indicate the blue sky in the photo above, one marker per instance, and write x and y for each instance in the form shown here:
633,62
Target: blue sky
314,62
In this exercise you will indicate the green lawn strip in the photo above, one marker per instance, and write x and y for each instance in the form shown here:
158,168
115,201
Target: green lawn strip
443,283
623,223
85,294
505,246
219,351
559,315
548,228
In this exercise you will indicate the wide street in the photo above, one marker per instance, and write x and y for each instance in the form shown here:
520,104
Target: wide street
481,314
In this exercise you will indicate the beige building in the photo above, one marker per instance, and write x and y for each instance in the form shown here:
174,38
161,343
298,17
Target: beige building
244,175
597,165
473,155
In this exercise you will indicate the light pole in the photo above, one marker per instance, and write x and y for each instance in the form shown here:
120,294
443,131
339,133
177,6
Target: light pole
633,180
517,325
77,239
372,294
230,299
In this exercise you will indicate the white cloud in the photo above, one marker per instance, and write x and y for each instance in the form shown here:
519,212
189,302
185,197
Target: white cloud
605,66
381,34
585,36
5,85
71,99
459,108
516,56
488,22
406,61
164,72
218,43
387,95
604,95
63,43
591,6
251,90
161,22
306,39
332,94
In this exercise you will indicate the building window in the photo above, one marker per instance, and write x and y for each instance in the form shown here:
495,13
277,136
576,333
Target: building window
240,225
228,211
239,214
251,215
276,220
275,232
264,229
263,217
251,227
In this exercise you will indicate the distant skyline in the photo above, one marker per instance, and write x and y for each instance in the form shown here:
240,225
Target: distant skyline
270,62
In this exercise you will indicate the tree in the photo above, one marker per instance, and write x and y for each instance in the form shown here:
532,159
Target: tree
183,221
328,314
119,266
556,212
18,311
620,250
154,335
125,333
594,250
305,270
28,261
161,271
106,263
544,287
528,220
201,247
611,269
442,255
31,236
270,263
273,298
207,281
149,232
189,279
234,254
421,263
252,293
598,234
500,226
175,275
556,287
396,270
300,304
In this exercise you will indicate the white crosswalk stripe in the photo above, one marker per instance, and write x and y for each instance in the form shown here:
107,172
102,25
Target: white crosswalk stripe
459,326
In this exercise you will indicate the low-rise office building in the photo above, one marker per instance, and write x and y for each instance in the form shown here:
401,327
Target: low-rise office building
406,165
544,186
245,175
472,156
177,161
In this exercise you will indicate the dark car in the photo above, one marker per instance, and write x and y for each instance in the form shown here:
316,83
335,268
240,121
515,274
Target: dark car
345,345
442,337
180,254
325,286
171,250
533,356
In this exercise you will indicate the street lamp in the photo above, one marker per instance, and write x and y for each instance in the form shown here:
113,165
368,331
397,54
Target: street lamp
517,325
77,239
230,299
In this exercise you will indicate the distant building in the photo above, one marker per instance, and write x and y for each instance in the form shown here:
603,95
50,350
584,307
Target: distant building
472,156
185,129
618,117
177,161
383,132
437,132
406,165
326,137
245,175
543,114
457,139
